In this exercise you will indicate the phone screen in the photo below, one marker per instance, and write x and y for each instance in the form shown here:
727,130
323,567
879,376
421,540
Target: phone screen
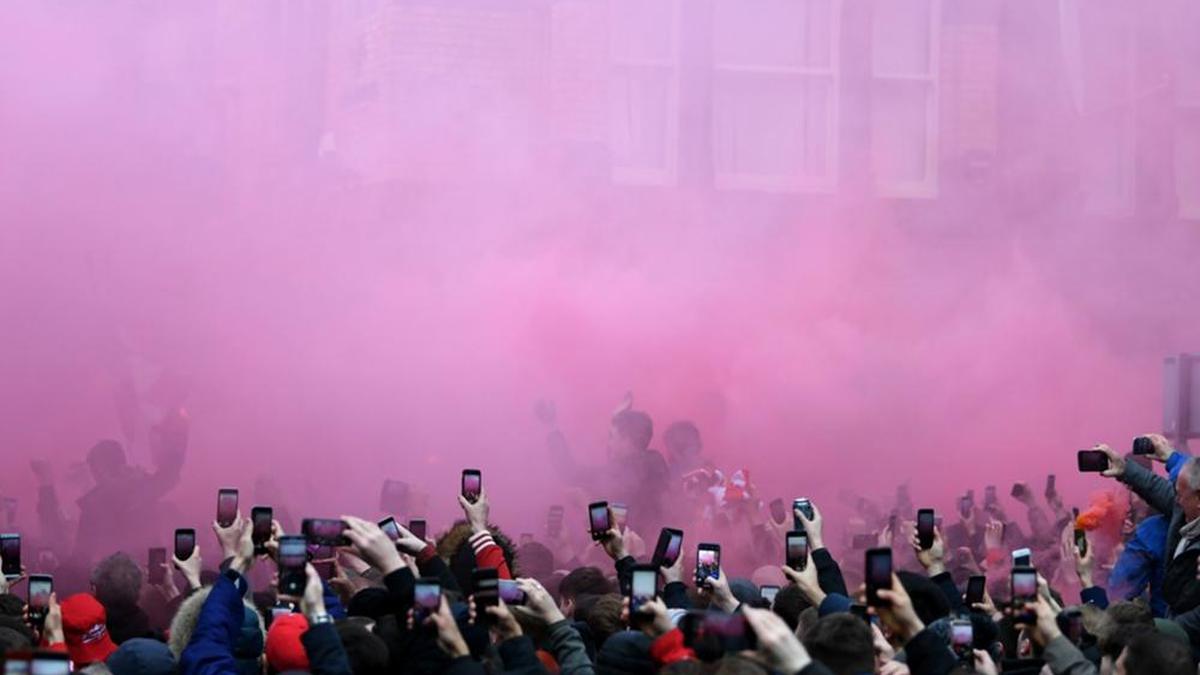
803,505
1024,587
472,484
620,514
10,552
925,523
975,588
227,506
708,562
962,637
185,543
644,588
427,596
293,554
260,517
419,529
797,550
768,593
155,572
1081,541
598,519
44,663
878,573
486,585
511,593
674,548
325,532
40,588
390,528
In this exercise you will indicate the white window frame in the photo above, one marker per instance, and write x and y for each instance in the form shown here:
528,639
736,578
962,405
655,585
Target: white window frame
734,180
928,187
645,175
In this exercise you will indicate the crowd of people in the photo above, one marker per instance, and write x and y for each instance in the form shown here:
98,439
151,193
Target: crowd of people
1117,583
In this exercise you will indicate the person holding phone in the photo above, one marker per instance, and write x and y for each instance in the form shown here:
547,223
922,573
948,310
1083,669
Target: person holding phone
829,573
487,552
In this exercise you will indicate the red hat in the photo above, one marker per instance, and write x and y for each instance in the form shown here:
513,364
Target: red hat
84,627
284,650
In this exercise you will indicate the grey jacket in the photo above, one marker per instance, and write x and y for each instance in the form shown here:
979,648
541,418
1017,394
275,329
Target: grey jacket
567,647
1065,658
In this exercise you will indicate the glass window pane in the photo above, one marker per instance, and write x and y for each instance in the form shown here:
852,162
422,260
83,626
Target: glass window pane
1187,168
643,30
773,33
901,37
772,125
899,131
641,102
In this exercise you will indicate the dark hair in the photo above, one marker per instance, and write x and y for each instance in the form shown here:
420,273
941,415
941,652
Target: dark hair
636,426
105,456
789,603
1127,613
1156,654
602,614
1119,635
366,651
842,642
584,581
928,601
680,436
117,581
732,664
11,605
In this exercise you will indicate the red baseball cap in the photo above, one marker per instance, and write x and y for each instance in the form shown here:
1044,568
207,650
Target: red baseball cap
84,626
284,649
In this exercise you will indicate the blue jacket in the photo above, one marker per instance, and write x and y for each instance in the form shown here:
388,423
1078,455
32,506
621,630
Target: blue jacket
1141,564
210,651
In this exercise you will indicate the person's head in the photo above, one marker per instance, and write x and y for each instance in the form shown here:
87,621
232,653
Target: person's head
249,645
579,582
789,603
744,590
626,653
14,640
928,601
1114,641
842,642
142,656
602,614
454,546
85,629
1129,612
11,605
117,581
284,650
734,664
1187,490
630,433
1155,654
536,561
682,440
367,652
106,460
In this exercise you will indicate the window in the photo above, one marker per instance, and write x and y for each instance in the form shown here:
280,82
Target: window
775,94
1187,140
644,90
904,97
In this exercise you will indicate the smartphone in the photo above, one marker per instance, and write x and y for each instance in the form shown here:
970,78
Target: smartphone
797,550
1092,461
599,521
989,495
485,584
1050,484
644,587
1142,445
925,524
472,485
510,592
390,528
10,553
293,555
44,662
803,505
418,527
260,521
668,548
427,598
1017,491
324,532
778,510
861,612
185,542
878,574
554,521
1081,541
40,588
393,496
768,593
1022,557
708,563
962,639
965,506
976,586
155,573
1024,590
326,569
730,633
227,506
319,552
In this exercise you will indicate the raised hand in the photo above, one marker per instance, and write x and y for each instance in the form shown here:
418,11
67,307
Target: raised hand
778,646
539,602
502,623
476,513
236,542
373,545
1116,462
933,559
813,527
897,611
806,581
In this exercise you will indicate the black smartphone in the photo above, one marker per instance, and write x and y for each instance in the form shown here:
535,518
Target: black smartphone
644,587
1017,491
768,592
1022,557
427,598
40,588
324,531
472,485
45,662
10,553
976,586
554,521
390,528
155,573
485,585
1142,445
878,574
668,548
803,505
293,555
1092,461
319,552
965,506
510,592
796,545
925,524
227,506
599,521
1050,484
1024,590
418,527
708,563
778,510
962,640
185,542
1081,541
861,612
260,521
